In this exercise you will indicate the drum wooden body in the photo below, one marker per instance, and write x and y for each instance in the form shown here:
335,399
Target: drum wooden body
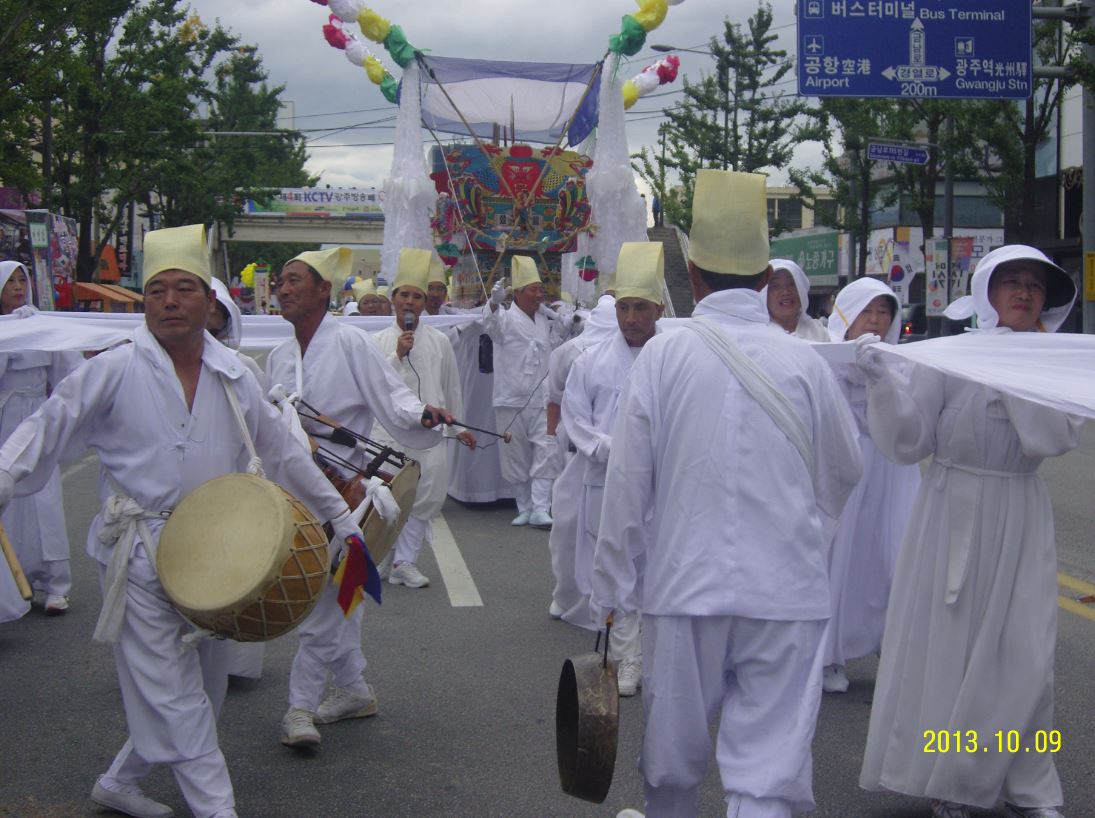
379,536
242,557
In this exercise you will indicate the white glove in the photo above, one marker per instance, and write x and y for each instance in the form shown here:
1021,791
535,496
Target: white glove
547,311
604,448
867,358
25,311
7,489
498,293
344,527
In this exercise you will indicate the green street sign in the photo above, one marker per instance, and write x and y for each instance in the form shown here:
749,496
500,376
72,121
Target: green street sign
815,252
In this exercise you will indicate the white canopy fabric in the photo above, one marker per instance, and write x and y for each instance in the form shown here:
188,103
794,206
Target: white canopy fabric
76,331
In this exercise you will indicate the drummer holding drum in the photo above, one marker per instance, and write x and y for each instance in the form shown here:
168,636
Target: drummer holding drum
339,371
165,414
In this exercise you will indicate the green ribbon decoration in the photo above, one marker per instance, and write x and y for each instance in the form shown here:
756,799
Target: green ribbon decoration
629,41
401,51
389,88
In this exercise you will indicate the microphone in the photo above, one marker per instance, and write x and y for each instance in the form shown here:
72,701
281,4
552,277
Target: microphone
408,321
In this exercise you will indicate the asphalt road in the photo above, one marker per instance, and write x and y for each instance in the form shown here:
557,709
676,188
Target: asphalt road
467,693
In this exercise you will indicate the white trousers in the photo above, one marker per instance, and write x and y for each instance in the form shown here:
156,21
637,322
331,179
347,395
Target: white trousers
626,639
762,679
526,460
330,646
172,693
409,543
562,542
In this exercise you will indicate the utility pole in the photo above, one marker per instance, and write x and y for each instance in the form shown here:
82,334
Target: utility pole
1088,224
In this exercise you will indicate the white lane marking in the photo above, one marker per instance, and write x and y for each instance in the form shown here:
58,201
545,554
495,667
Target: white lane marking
87,460
454,571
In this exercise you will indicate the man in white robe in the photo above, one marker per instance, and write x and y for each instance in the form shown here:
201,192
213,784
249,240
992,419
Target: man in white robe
524,335
787,296
570,597
159,415
716,419
590,403
339,371
424,358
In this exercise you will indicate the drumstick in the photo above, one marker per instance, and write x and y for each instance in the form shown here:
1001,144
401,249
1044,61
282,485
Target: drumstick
506,436
13,563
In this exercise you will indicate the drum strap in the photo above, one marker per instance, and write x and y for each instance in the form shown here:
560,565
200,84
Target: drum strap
254,465
760,387
123,522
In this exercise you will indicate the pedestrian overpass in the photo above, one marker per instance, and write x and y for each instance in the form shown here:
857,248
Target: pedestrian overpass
303,229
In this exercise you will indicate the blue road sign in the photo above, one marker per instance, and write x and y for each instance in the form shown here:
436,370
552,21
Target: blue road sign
954,49
909,154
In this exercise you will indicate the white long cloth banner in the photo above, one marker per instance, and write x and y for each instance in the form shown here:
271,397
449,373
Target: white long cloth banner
1054,370
76,331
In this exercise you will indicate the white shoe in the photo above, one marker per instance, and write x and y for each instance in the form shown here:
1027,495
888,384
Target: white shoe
342,703
1031,812
629,813
833,679
56,604
629,676
555,610
949,809
521,519
407,573
385,567
298,729
128,800
540,519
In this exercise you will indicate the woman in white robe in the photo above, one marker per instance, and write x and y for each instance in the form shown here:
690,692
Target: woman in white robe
36,523
971,627
868,535
787,296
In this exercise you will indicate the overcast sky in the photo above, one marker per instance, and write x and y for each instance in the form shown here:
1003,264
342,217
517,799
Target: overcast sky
327,91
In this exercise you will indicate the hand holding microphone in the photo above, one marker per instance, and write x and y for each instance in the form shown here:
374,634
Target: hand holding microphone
406,340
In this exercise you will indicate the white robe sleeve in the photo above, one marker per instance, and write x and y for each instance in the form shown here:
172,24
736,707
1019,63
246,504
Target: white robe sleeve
838,458
1043,432
628,498
903,408
577,414
395,406
450,383
60,429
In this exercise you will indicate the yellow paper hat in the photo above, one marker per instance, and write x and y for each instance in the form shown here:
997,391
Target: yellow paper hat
729,232
383,292
523,271
437,270
413,270
334,265
640,271
363,287
177,248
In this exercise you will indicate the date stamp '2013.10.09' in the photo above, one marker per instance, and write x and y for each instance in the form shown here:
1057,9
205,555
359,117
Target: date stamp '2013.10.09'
1001,741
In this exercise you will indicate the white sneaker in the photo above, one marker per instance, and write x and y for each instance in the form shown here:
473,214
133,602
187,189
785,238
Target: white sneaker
555,610
540,519
521,519
629,676
342,703
949,809
1032,812
629,813
385,567
128,800
56,604
298,729
407,573
833,679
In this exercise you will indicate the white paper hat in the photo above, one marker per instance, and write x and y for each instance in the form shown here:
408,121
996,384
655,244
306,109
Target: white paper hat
334,265
640,271
177,248
729,233
523,272
413,270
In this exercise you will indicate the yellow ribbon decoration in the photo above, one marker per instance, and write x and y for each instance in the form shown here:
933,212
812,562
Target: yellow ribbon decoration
374,69
631,93
374,26
651,13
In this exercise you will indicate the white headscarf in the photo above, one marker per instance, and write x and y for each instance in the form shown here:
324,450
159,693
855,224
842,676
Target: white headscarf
602,321
235,322
1060,291
853,299
8,268
802,282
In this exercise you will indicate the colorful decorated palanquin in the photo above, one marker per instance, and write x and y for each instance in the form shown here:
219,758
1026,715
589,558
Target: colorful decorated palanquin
509,199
